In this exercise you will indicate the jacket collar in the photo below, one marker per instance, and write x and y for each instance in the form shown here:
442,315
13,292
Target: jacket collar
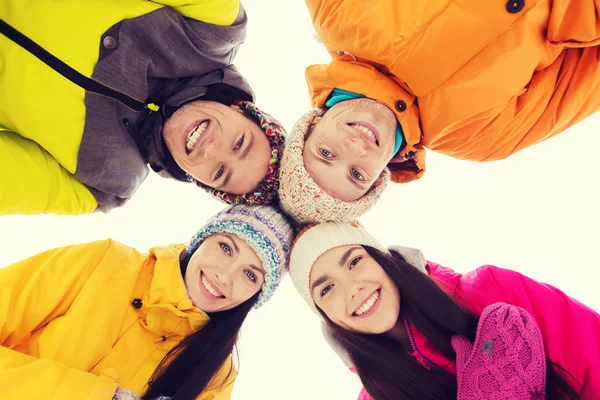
167,290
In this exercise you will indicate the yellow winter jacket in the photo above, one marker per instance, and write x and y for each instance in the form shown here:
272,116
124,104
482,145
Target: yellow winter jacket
42,114
69,329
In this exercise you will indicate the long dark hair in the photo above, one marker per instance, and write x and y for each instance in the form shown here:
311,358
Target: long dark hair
186,370
388,373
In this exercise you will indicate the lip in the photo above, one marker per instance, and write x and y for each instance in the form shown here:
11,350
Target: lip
205,292
371,128
200,139
373,308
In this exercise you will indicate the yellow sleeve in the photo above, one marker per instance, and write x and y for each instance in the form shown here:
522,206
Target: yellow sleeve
216,12
224,391
33,292
33,182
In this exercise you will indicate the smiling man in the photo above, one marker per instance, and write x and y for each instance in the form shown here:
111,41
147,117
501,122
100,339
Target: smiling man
473,80
146,84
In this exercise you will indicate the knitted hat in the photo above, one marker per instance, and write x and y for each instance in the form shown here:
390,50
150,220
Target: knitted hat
302,198
266,230
267,189
507,360
316,240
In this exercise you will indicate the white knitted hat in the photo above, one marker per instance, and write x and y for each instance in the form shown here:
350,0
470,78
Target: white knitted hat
316,240
299,194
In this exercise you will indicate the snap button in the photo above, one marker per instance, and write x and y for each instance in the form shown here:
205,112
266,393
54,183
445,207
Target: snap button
400,106
515,6
411,155
137,303
109,42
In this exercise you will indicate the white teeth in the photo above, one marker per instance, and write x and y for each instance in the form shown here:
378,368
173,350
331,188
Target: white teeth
194,135
366,130
368,304
210,289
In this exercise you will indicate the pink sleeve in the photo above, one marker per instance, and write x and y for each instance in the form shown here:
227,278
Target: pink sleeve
363,393
570,329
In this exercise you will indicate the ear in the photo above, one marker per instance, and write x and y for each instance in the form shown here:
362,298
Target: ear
237,108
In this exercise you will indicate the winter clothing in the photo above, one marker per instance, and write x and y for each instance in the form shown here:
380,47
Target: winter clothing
506,361
474,80
83,151
266,230
316,240
88,318
267,189
565,324
303,199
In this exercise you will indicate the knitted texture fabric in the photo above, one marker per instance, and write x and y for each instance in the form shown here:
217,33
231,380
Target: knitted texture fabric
507,360
266,192
266,230
299,194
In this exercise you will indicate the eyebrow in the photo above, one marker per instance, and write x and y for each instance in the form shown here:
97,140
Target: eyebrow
248,148
319,282
356,184
258,269
235,246
324,161
347,255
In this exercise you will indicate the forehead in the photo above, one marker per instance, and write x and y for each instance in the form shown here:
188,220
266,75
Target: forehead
328,262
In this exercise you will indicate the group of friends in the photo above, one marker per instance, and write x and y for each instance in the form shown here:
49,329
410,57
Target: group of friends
95,94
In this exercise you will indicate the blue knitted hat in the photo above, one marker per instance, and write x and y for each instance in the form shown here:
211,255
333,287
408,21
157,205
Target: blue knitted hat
266,230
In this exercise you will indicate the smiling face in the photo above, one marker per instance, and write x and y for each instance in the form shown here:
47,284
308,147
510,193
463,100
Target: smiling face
223,273
355,293
348,148
218,145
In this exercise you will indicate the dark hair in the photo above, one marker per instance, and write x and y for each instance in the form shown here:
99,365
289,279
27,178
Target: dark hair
187,369
387,373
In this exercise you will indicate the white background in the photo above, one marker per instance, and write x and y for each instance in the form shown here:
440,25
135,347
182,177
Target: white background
536,213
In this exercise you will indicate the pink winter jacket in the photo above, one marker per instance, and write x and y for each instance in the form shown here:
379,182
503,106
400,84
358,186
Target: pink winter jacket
570,330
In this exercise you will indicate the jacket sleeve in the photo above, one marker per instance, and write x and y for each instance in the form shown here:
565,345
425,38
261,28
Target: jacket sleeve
556,98
33,182
33,293
570,329
216,12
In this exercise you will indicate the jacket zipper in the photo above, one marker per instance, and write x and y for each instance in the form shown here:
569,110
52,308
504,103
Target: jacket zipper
411,338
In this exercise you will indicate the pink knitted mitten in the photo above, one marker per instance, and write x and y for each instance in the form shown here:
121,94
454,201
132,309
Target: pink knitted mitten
507,360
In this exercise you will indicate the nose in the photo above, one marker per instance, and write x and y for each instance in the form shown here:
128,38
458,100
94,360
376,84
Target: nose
213,149
355,145
224,275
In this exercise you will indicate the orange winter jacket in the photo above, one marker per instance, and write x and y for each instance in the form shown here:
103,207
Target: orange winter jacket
475,80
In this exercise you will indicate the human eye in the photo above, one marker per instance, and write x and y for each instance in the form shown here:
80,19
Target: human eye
326,290
219,173
240,143
357,175
354,262
226,248
250,275
325,153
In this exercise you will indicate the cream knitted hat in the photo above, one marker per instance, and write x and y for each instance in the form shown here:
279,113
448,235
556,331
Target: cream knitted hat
302,198
315,240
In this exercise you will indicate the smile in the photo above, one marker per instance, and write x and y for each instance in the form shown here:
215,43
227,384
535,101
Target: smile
194,134
210,289
368,304
367,131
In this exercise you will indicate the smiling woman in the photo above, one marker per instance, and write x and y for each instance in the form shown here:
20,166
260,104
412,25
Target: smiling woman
164,323
400,321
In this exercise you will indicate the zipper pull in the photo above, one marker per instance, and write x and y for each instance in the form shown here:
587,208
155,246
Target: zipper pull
152,107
